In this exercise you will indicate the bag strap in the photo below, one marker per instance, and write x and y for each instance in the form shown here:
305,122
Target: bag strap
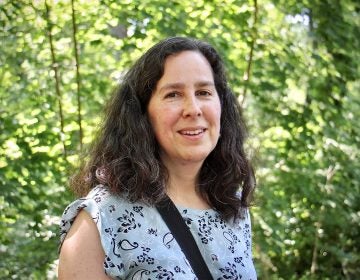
184,238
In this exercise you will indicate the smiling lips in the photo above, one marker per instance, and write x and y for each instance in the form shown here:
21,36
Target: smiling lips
193,132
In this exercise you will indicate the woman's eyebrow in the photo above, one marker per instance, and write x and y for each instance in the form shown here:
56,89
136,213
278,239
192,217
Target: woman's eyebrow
172,86
182,85
205,84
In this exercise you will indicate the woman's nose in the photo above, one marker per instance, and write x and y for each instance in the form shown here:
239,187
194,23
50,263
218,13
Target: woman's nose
192,107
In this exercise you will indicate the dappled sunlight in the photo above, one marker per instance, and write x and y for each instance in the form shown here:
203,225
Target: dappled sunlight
294,67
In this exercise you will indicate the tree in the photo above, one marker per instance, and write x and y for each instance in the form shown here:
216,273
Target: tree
294,65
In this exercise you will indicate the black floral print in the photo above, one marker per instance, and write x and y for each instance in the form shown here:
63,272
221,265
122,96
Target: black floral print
152,231
239,260
127,222
230,272
138,244
178,269
163,273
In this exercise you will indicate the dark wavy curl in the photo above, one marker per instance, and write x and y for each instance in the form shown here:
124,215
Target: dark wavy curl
125,155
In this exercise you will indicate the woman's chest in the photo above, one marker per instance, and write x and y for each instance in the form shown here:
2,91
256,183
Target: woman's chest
140,246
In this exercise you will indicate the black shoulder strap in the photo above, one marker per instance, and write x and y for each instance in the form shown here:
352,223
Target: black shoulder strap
184,238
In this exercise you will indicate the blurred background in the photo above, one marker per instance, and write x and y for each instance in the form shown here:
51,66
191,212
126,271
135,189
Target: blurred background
294,64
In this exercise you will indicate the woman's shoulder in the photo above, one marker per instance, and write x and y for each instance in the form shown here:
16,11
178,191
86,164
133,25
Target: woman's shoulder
104,208
99,194
93,199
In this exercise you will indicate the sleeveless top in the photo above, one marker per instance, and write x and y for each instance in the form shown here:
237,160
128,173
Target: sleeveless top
138,244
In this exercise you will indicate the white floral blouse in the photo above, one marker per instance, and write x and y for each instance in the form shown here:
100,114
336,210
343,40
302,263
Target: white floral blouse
138,244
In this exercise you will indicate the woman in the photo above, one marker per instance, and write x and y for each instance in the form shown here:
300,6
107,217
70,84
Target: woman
173,129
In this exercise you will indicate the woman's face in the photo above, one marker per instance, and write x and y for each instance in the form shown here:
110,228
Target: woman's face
184,109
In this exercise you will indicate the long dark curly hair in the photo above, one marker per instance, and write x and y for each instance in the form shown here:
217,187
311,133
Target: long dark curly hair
125,155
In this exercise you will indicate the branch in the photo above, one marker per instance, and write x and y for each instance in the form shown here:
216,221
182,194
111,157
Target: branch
252,46
56,76
266,262
76,53
314,265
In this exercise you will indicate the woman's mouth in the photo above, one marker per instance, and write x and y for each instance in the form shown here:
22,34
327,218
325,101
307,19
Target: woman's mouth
193,132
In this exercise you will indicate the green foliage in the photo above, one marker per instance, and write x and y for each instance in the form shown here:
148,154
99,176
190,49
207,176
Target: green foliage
294,65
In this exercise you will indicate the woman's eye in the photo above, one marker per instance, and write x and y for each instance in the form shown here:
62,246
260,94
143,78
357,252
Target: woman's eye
203,93
171,94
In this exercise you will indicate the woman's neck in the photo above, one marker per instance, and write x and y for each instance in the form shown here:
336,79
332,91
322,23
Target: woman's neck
181,187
